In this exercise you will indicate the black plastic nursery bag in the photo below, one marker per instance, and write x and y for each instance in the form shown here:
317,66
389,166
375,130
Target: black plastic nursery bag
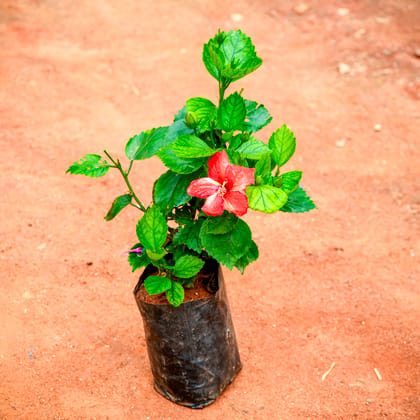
192,348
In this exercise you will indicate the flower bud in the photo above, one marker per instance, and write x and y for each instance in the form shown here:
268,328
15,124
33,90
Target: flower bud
278,181
245,136
191,119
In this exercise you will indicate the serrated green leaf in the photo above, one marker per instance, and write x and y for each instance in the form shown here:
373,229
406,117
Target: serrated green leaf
89,165
189,235
119,204
283,144
298,202
178,128
265,198
188,266
257,117
250,256
289,181
253,149
177,164
180,115
157,284
189,146
229,247
147,143
152,229
204,109
170,190
220,225
230,56
263,166
136,260
239,54
233,112
175,294
213,58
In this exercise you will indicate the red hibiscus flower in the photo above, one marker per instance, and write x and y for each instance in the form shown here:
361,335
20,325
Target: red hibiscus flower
224,188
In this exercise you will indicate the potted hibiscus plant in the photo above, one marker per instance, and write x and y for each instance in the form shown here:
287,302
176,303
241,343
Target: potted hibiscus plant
216,170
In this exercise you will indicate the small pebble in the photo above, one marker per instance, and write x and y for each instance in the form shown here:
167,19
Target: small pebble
343,12
343,68
340,143
300,9
236,17
417,53
383,20
359,33
377,127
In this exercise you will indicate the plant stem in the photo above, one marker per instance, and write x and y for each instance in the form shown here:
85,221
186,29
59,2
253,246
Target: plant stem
125,176
129,168
221,95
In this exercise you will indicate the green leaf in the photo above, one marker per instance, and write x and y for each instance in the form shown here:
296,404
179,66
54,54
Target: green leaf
181,114
289,181
187,283
152,229
189,235
233,112
235,158
220,225
235,142
283,144
138,261
189,146
175,294
229,247
298,202
213,58
230,56
147,143
177,164
89,165
157,284
178,128
263,166
253,149
239,54
119,204
156,256
257,117
250,256
188,266
265,198
170,190
204,109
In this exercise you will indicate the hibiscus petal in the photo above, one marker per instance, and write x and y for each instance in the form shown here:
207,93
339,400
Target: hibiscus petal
203,187
213,205
217,166
239,177
236,202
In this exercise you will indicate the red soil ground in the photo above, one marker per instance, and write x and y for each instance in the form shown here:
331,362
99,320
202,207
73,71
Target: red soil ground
334,286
